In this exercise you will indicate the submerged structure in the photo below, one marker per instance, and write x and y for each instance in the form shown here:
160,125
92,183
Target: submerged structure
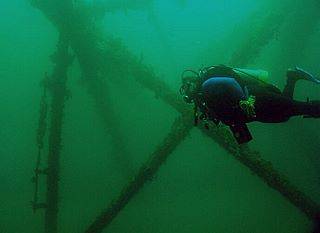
98,55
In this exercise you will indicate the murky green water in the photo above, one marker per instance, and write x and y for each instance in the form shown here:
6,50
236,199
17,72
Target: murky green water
112,124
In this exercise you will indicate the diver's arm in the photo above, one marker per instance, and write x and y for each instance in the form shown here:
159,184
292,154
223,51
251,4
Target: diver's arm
241,133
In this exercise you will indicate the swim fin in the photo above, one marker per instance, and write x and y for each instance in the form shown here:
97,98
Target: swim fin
299,73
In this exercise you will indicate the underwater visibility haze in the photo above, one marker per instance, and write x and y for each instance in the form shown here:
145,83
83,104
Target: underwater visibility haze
95,136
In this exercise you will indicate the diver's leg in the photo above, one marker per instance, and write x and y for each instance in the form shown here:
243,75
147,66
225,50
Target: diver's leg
292,78
273,108
276,108
308,109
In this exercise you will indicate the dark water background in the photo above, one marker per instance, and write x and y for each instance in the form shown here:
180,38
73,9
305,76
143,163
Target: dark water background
200,188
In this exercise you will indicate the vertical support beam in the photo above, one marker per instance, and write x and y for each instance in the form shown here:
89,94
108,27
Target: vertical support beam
57,86
75,19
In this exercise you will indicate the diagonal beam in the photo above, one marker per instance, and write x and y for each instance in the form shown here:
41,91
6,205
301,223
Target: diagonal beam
261,34
148,79
180,129
99,92
294,41
247,157
264,170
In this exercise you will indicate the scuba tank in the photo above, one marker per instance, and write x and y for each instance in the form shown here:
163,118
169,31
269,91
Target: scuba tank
261,75
216,71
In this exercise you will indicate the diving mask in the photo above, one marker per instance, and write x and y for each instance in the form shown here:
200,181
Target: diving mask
189,86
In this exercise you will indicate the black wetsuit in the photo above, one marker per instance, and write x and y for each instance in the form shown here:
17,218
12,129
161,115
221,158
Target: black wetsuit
223,93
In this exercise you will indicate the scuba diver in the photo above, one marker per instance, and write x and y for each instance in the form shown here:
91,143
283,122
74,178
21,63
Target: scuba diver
236,97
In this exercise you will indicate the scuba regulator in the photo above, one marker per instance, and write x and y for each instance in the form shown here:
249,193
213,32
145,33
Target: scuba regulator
189,87
190,91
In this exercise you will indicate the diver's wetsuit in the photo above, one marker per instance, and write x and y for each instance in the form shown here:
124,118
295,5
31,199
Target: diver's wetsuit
222,96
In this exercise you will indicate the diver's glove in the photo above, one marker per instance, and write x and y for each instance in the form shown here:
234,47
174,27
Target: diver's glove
248,107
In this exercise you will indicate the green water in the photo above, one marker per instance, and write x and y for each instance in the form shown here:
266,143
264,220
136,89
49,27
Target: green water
200,187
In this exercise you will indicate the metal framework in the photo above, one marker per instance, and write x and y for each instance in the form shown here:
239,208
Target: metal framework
97,56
